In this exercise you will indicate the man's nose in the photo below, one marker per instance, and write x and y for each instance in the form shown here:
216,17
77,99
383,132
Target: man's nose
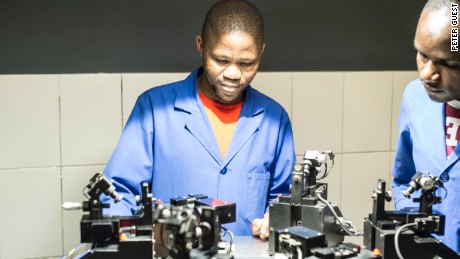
429,72
232,73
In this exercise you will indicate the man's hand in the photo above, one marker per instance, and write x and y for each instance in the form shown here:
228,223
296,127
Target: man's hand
260,227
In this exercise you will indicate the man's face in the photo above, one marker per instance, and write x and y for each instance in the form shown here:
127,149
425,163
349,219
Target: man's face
229,65
438,66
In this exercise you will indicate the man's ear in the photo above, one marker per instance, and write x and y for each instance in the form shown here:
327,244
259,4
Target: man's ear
263,48
199,44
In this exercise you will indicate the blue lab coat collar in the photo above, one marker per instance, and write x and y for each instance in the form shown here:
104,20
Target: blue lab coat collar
187,101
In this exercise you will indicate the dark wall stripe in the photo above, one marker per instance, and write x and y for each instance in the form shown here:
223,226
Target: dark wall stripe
91,36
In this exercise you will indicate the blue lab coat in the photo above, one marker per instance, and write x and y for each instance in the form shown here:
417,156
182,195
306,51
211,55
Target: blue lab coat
422,148
168,141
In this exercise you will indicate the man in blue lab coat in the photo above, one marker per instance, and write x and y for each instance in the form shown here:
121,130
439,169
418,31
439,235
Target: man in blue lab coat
430,118
211,133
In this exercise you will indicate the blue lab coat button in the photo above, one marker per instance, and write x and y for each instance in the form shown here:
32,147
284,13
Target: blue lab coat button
444,176
223,171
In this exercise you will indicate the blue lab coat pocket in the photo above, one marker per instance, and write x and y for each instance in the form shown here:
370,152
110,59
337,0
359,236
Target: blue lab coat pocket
257,195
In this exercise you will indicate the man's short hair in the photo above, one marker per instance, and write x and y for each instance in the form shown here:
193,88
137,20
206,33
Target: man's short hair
233,16
438,5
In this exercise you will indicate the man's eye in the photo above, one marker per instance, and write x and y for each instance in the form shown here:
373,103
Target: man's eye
246,64
423,57
452,64
221,61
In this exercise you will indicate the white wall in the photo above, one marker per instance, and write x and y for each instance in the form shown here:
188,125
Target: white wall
56,131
